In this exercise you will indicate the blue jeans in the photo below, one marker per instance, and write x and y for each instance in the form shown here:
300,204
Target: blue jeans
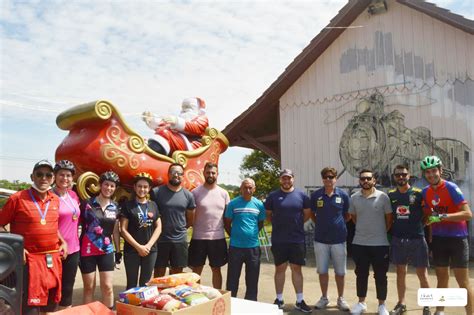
251,258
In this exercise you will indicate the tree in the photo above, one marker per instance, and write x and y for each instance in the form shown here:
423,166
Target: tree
263,169
231,189
15,185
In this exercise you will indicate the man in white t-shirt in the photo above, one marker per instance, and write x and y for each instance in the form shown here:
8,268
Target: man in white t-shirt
208,228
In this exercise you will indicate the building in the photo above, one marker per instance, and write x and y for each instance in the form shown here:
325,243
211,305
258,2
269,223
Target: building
386,82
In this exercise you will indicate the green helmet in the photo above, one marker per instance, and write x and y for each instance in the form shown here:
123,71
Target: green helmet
430,161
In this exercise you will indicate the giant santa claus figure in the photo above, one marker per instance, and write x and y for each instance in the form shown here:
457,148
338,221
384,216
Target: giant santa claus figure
182,132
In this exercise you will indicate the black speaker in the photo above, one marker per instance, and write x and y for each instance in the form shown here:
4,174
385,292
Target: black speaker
11,273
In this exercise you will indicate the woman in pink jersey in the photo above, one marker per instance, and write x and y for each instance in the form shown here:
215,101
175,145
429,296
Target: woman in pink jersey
68,223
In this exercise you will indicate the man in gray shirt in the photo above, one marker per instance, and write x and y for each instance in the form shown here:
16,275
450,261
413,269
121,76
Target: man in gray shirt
176,205
372,214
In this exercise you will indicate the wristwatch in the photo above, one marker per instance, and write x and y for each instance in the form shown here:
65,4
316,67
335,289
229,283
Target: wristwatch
443,216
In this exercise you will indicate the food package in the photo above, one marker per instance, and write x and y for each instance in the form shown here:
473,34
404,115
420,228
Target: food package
178,291
136,296
194,299
209,292
164,302
175,280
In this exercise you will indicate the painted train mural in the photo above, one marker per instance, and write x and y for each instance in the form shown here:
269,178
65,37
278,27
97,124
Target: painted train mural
380,140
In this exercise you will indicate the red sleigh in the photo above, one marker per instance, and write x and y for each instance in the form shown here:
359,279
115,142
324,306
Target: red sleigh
99,140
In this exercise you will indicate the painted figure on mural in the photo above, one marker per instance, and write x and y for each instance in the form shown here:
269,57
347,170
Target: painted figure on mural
381,140
181,132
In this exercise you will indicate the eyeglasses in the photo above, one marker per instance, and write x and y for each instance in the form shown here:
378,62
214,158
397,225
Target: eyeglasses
41,175
329,177
176,173
400,174
365,178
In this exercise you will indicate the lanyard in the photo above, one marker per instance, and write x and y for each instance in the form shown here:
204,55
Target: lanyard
41,213
144,213
70,204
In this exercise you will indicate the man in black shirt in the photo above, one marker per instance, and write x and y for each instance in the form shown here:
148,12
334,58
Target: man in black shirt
176,205
408,242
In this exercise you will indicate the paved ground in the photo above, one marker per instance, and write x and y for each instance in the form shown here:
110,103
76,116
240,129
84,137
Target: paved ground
311,288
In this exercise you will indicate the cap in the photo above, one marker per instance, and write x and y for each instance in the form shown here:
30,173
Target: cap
43,163
286,172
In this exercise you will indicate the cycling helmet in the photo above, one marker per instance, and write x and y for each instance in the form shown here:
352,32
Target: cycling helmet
430,161
143,175
64,165
110,176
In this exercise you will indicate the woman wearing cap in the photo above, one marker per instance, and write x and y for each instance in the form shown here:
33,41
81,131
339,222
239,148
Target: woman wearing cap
141,226
68,222
99,218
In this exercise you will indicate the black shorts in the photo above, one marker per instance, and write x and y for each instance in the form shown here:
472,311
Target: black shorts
174,255
450,251
414,251
88,264
216,250
293,252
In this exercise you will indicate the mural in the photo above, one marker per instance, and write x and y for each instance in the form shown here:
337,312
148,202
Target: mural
379,141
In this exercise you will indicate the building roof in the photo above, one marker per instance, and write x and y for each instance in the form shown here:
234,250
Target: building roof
258,126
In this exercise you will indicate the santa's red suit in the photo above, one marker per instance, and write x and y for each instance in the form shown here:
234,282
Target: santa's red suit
186,132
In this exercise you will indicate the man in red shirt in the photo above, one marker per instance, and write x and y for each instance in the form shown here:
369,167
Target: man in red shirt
33,214
448,212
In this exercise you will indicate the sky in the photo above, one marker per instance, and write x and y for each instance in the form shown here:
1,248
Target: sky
145,55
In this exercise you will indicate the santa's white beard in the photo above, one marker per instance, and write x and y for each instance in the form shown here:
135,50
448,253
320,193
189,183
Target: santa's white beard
188,115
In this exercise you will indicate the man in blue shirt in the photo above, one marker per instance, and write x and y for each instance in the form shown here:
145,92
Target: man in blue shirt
243,219
330,206
288,209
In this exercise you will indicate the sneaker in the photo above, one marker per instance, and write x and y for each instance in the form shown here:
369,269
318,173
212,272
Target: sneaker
359,308
426,310
302,306
382,310
399,309
342,304
279,303
322,303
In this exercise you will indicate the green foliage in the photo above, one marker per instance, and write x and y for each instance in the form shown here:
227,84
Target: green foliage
231,189
15,185
263,169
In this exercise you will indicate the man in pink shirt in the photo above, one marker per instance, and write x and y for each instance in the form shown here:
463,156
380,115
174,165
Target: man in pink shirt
208,228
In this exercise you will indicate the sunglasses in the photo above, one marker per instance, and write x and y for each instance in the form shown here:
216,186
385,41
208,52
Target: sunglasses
174,173
365,178
329,177
400,174
41,175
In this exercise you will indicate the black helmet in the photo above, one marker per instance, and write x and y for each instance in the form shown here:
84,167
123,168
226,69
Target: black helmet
64,165
110,176
143,175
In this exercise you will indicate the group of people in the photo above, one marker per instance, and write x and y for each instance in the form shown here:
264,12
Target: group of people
154,225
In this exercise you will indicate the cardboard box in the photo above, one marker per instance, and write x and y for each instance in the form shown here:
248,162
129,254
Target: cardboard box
217,306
